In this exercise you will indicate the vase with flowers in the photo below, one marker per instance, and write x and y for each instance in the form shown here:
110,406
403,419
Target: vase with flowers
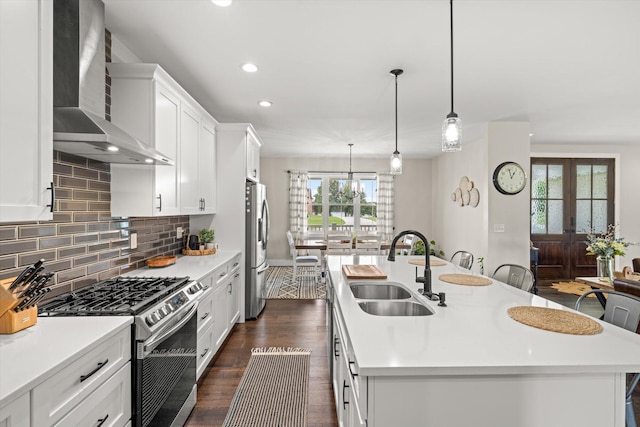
606,246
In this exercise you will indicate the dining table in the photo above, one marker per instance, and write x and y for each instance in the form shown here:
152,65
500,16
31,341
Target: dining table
597,283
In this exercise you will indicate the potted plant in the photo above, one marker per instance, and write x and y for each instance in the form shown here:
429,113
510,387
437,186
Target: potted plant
207,236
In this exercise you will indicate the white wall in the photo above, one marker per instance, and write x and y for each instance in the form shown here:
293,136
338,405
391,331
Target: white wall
413,193
627,199
471,229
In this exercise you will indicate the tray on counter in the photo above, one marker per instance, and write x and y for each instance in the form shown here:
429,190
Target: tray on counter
363,272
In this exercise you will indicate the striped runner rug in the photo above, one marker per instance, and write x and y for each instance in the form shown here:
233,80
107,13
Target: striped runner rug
280,285
273,391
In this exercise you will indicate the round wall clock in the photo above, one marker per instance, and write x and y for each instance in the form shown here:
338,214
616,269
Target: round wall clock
509,178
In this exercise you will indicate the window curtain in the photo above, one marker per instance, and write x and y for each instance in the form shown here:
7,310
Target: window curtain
298,202
385,205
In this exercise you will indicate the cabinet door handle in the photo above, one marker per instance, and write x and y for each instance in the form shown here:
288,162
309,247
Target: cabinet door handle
102,420
237,275
204,316
344,397
353,374
160,202
100,366
336,341
53,196
206,350
230,288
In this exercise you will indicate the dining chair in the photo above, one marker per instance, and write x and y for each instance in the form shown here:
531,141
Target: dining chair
515,275
307,263
339,243
463,259
621,310
367,243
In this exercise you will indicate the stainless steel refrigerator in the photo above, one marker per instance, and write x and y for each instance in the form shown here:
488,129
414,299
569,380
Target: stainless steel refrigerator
257,240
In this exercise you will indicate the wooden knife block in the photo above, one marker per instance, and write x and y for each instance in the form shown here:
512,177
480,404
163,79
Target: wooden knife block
13,321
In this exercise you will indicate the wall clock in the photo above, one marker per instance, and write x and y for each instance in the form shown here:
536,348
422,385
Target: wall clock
509,178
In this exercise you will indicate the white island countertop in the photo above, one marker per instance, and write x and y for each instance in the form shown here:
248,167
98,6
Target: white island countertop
30,356
473,335
195,267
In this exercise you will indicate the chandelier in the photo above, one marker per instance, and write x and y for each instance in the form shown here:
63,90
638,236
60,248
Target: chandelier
351,189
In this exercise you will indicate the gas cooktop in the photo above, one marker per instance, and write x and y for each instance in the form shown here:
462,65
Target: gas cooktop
119,296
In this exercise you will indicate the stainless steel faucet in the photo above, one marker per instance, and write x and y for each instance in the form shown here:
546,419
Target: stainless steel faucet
426,277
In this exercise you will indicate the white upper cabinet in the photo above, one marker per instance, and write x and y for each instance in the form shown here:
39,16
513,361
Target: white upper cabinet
253,157
26,110
150,105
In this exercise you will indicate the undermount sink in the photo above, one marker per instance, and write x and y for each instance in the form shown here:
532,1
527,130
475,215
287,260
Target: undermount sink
394,308
388,290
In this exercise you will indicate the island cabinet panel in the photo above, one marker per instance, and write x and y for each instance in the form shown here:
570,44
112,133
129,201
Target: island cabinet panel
16,413
26,110
498,400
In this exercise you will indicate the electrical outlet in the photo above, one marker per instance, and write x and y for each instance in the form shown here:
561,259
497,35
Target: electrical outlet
498,228
179,232
133,240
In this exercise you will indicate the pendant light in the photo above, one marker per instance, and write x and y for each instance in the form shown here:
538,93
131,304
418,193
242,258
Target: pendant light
452,126
396,157
351,189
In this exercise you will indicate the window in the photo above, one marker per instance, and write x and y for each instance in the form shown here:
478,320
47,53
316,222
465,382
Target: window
334,209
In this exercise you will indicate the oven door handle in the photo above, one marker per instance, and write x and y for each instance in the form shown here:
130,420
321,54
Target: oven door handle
169,330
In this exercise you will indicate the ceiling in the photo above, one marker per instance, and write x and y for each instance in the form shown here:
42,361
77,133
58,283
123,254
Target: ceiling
569,67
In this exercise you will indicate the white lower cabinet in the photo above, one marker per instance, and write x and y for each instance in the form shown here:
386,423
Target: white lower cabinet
218,310
108,406
70,386
16,413
350,390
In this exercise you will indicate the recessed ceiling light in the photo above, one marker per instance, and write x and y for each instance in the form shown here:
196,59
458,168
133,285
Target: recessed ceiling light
265,103
148,160
112,148
530,134
249,67
221,3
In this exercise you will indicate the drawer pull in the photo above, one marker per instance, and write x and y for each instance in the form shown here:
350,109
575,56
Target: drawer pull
204,316
102,420
223,274
100,366
206,350
353,374
344,398
336,341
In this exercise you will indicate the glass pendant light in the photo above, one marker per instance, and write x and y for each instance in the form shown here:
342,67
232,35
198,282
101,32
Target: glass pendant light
452,126
351,189
396,157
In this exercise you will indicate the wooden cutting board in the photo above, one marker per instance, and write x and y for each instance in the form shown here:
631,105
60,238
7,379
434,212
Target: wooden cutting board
363,272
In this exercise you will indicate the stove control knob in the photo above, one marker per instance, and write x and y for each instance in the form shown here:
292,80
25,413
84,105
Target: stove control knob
168,308
162,312
152,319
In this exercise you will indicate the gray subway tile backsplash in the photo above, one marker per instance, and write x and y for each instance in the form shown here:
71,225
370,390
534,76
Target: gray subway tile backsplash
83,244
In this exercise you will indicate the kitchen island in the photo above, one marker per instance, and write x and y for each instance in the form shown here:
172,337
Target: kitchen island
469,363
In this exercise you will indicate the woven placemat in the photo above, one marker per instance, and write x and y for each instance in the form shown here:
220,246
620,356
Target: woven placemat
465,279
433,262
552,319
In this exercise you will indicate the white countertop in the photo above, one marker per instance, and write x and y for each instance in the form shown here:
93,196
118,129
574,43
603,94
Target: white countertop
473,335
30,356
196,267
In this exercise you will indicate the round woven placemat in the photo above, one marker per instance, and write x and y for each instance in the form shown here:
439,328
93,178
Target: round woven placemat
552,319
433,262
465,279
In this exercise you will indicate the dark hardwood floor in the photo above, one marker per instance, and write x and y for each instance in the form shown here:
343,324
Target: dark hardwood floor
295,323
284,323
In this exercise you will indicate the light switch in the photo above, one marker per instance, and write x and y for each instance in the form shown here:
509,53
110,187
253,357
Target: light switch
498,228
133,240
179,232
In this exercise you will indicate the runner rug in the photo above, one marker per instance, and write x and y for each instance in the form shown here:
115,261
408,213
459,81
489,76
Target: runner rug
280,285
273,391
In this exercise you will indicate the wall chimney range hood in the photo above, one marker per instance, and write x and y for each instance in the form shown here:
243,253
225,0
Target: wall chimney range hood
79,126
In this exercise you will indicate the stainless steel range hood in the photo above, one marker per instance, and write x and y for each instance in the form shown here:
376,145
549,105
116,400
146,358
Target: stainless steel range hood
79,126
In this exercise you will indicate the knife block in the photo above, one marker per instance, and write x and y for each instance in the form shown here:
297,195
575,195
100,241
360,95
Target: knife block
13,321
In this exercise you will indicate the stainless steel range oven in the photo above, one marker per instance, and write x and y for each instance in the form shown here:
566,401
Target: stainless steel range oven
164,339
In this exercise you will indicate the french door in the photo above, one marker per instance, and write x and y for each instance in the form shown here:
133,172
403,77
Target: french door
569,199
